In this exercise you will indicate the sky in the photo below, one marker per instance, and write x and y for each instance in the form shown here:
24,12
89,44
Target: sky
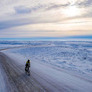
45,18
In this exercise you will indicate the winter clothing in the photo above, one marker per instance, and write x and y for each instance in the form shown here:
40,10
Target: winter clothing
27,65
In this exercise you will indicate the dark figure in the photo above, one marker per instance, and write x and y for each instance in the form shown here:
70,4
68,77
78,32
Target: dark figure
27,66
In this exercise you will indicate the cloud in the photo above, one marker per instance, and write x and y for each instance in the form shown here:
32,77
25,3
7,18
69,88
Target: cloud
22,10
55,6
27,10
19,13
85,3
25,21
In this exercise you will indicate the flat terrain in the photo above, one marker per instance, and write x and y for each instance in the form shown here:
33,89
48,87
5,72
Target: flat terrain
43,78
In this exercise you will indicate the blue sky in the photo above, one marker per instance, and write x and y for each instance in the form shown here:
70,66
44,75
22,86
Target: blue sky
20,19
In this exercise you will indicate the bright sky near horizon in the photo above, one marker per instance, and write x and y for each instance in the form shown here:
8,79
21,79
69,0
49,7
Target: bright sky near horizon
45,18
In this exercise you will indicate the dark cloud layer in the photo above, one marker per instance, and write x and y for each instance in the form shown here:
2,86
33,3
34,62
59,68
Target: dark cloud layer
26,10
55,6
23,21
86,3
13,23
22,10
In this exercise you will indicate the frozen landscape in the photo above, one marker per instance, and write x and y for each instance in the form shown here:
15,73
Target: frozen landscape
56,66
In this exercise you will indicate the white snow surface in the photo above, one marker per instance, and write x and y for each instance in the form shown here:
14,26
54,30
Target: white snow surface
3,81
66,64
72,56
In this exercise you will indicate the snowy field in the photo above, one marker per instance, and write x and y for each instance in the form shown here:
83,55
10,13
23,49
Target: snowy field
71,56
14,44
9,44
64,57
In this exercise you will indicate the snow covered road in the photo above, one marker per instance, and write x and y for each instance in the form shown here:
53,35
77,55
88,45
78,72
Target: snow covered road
43,78
16,76
58,81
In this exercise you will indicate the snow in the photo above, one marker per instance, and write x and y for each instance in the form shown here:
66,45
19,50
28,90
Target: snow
2,83
65,64
3,86
57,77
72,56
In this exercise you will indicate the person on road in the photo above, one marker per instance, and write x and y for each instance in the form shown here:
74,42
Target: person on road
27,66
